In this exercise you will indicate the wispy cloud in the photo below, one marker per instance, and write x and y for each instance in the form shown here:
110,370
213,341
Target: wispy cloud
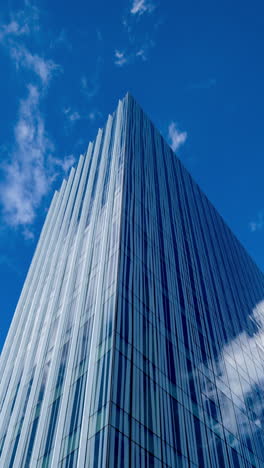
71,115
13,29
175,136
258,224
93,115
21,23
244,389
66,163
61,41
43,68
90,86
30,168
141,6
124,58
142,54
138,42
120,58
26,181
12,35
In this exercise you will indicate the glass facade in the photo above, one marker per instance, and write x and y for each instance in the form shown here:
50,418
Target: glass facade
138,339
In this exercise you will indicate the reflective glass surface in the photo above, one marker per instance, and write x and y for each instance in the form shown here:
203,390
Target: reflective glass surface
138,339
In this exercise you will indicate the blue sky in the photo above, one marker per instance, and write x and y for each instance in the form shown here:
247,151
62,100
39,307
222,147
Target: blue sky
196,68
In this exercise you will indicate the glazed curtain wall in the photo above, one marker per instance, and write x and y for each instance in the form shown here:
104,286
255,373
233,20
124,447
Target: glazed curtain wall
138,339
188,381
56,363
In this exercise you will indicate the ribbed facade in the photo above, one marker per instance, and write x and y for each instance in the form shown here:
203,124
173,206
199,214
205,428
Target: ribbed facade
138,339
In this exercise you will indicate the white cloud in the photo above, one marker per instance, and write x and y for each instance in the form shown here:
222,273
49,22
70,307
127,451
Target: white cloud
89,88
44,69
31,168
139,42
120,58
65,163
176,137
26,180
94,115
22,23
258,224
74,116
61,41
13,29
142,54
28,233
91,116
141,6
71,115
244,386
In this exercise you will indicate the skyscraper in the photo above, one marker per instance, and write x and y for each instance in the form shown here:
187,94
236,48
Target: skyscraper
138,339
